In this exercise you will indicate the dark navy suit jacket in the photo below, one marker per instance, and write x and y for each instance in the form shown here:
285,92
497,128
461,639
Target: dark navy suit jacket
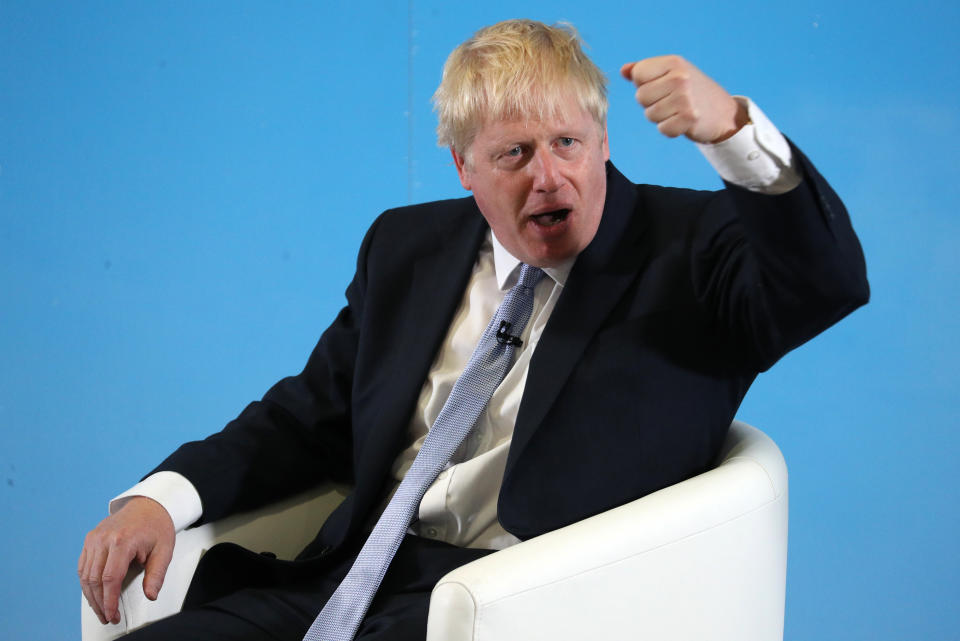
666,318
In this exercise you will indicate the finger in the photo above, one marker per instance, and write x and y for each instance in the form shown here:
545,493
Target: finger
650,69
672,105
96,578
650,93
675,125
91,581
114,571
659,112
83,574
92,602
156,569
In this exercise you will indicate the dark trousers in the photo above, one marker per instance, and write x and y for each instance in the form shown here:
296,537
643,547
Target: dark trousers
280,604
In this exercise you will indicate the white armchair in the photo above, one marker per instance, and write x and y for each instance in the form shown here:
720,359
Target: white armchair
703,559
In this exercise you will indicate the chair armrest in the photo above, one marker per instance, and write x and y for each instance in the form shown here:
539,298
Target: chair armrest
703,559
301,517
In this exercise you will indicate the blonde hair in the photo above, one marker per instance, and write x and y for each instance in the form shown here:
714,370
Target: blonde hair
513,70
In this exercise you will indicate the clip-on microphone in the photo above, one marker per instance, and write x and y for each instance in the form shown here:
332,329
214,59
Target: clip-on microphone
505,338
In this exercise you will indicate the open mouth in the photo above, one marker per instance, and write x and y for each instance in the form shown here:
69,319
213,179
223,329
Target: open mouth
550,218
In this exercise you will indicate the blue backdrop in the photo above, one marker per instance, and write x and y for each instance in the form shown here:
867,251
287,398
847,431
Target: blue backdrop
183,187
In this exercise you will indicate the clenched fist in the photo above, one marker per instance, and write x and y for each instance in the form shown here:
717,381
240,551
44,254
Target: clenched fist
683,101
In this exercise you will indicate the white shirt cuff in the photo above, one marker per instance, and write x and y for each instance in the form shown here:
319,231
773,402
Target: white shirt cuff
171,490
757,157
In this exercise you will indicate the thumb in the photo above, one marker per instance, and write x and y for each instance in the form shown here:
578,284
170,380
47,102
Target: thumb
155,570
626,69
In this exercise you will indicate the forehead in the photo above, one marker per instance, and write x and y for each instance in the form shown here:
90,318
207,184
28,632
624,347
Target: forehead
566,116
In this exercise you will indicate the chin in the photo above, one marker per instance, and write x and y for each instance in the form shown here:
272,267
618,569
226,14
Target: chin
552,258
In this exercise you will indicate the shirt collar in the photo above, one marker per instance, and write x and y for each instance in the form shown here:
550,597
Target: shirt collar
505,265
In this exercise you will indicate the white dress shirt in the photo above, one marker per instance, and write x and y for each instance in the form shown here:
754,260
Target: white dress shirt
460,507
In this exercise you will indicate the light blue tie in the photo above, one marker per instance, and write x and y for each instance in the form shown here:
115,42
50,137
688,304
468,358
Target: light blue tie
340,617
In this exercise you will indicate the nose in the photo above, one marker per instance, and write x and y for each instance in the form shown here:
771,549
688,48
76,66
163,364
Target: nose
546,173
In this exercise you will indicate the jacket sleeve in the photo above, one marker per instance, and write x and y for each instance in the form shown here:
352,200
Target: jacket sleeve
783,269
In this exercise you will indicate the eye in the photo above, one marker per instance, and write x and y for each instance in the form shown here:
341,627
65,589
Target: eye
514,151
566,141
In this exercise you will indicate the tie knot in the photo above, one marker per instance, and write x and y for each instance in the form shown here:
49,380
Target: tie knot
529,276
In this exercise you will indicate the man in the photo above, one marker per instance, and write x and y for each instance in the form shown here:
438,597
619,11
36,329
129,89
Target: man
657,309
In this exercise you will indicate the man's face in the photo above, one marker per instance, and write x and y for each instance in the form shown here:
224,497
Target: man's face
540,184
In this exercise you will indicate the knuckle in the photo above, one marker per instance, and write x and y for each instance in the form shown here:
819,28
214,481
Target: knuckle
670,130
89,581
109,577
119,541
680,83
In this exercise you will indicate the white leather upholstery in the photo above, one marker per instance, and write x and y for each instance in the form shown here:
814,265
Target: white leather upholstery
703,559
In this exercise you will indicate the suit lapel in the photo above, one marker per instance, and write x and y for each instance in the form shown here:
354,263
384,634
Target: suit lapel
437,283
601,274
437,288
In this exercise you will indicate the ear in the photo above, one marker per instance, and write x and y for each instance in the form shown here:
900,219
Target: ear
606,144
460,162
